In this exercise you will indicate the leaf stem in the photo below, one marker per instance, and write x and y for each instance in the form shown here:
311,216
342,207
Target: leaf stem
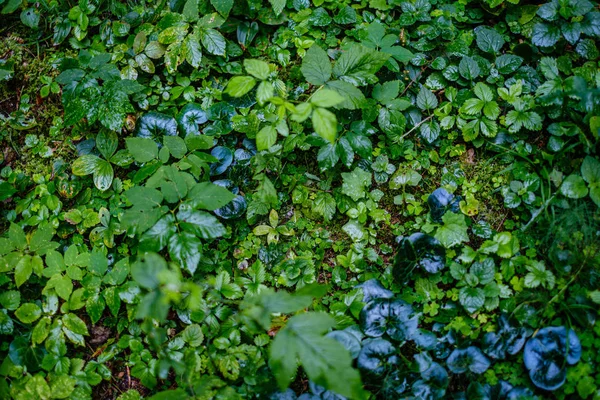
416,126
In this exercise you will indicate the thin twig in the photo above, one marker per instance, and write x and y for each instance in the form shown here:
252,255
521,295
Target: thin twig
416,126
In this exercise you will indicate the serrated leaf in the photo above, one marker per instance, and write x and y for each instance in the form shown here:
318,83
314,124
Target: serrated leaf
325,124
316,66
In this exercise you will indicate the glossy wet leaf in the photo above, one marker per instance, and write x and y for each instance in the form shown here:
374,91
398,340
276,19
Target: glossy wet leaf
154,125
377,356
396,318
470,359
418,251
547,354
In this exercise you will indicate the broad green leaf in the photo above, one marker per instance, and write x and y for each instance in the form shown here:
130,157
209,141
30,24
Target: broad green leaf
146,270
190,10
356,183
278,6
257,68
316,66
574,187
468,68
103,175
426,100
185,248
73,323
266,137
41,239
488,40
353,96
85,165
324,359
142,149
176,146
208,196
471,298
454,230
107,142
200,223
191,50
239,86
325,124
173,34
326,98
193,335
590,170
17,236
357,65
223,7
545,35
28,313
213,41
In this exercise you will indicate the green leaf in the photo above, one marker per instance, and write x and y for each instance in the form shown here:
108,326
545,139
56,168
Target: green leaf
193,335
103,175
41,239
176,146
278,6
62,284
257,68
28,313
545,35
358,64
353,97
468,68
223,7
73,323
10,299
173,34
387,91
146,270
574,187
454,230
426,100
208,196
325,360
107,142
186,249
85,165
200,223
239,86
142,149
590,170
213,41
191,50
324,205
190,10
488,40
325,124
17,236
316,66
94,306
326,98
144,197
356,183
471,298
266,137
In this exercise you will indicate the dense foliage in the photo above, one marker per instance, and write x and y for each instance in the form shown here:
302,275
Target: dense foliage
299,199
